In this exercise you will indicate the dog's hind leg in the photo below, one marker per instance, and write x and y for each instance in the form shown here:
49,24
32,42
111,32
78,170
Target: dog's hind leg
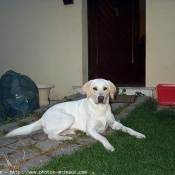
67,132
53,136
62,124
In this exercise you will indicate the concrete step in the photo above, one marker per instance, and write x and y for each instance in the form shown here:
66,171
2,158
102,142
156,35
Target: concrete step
147,91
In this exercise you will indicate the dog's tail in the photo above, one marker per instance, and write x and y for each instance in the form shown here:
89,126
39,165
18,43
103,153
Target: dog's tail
25,129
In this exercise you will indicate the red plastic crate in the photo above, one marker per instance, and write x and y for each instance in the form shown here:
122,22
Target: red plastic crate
166,94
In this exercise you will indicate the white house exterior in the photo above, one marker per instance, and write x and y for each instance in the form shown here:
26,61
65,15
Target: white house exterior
48,41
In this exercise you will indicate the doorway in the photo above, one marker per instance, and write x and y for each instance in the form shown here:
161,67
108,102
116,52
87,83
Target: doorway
117,41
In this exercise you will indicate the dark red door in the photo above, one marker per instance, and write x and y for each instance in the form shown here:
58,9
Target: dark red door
113,40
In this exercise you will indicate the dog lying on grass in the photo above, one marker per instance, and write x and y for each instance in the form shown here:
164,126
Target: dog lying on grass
91,115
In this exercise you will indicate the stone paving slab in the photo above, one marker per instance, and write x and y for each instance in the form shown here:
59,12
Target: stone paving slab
22,143
117,105
86,140
67,149
28,119
20,156
4,151
75,96
10,125
7,141
36,132
80,97
1,135
40,137
48,144
140,100
38,161
40,110
128,109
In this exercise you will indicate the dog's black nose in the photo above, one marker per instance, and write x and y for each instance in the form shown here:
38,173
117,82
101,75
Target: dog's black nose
100,99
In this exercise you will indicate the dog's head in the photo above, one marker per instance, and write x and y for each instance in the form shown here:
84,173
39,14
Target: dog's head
99,90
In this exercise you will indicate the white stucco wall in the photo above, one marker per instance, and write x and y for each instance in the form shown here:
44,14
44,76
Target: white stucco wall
45,40
160,42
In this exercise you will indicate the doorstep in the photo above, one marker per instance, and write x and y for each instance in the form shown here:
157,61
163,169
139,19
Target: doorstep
147,91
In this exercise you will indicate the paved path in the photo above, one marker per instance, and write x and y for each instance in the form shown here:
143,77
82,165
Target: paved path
24,152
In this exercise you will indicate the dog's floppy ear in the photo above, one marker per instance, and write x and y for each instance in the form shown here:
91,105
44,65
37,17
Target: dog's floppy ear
86,88
112,89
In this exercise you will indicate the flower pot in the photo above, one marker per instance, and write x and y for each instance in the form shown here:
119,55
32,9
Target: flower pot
44,91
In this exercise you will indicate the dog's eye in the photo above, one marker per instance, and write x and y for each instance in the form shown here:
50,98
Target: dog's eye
95,88
105,88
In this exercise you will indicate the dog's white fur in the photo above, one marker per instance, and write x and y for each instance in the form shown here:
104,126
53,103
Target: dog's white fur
91,115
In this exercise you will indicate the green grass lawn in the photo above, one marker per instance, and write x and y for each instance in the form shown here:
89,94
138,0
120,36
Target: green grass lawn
154,155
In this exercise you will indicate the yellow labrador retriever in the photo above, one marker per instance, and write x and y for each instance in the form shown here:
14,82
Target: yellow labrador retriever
91,115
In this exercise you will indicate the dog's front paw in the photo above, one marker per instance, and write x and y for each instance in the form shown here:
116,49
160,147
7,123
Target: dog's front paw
140,136
109,147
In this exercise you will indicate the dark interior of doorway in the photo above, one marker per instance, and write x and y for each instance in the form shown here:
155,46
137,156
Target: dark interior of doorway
142,44
141,49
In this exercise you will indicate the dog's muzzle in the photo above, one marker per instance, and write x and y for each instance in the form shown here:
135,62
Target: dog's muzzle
100,99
